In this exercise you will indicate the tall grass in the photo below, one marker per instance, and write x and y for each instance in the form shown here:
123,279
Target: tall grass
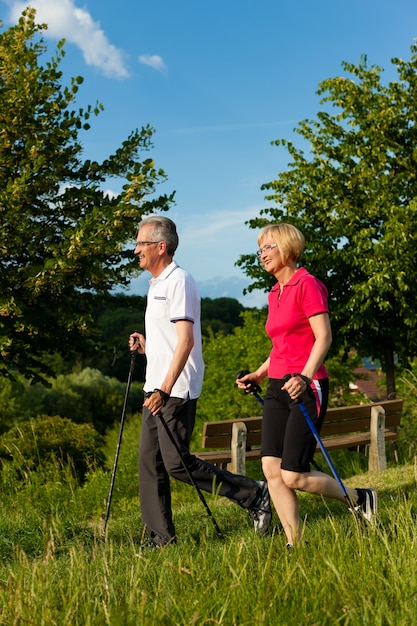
347,574
57,568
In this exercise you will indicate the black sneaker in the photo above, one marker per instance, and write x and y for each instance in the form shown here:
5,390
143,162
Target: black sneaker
152,545
149,546
369,507
261,510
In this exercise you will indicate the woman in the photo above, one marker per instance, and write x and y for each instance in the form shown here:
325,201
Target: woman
299,327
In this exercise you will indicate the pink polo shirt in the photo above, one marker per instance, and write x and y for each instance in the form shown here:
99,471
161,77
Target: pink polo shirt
288,326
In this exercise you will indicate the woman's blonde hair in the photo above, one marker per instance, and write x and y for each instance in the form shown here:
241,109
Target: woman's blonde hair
290,240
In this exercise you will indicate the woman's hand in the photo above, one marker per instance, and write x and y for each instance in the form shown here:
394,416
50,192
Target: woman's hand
295,386
247,381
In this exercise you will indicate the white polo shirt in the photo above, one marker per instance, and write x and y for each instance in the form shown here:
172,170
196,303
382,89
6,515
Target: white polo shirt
173,296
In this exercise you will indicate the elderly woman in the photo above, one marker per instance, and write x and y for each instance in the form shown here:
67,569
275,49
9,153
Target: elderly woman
299,327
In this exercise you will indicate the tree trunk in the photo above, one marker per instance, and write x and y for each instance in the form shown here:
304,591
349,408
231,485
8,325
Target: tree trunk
390,369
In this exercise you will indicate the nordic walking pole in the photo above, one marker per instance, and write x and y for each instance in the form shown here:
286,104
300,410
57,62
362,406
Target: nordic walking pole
194,484
254,390
321,445
325,453
119,441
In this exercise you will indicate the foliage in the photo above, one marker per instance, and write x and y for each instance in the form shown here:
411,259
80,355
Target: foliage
19,401
83,397
220,314
407,387
353,195
341,371
63,237
46,439
120,316
224,355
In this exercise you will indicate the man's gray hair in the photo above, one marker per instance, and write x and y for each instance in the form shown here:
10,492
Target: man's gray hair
163,229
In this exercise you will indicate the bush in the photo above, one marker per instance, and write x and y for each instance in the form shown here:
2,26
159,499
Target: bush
85,397
90,397
45,440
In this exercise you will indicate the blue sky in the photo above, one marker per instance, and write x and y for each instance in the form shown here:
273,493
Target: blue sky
219,80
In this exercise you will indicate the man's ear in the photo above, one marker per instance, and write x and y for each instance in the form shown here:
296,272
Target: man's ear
162,247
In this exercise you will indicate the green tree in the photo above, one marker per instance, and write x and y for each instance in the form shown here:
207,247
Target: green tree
220,314
63,237
353,194
121,315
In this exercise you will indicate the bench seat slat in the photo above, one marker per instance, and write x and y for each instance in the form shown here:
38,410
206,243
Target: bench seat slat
225,456
340,428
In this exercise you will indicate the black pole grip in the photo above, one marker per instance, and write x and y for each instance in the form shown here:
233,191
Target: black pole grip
252,387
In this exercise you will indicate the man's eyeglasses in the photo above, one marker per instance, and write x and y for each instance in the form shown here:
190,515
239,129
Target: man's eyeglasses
266,248
146,243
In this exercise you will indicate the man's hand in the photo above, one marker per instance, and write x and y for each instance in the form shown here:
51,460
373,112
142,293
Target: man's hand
137,342
155,400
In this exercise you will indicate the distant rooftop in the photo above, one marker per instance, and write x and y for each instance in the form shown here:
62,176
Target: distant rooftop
369,384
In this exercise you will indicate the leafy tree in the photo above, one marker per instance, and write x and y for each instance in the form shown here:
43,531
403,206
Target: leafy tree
407,387
120,315
220,314
63,238
353,195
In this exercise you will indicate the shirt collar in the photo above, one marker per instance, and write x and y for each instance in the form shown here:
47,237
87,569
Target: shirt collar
164,274
294,280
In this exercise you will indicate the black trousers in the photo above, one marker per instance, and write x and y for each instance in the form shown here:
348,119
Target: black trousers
158,460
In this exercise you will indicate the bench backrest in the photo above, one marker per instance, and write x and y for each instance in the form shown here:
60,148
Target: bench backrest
351,419
341,420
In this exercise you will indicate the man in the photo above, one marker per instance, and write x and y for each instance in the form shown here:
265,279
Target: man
173,382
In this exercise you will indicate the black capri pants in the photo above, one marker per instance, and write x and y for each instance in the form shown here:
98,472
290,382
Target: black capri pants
285,431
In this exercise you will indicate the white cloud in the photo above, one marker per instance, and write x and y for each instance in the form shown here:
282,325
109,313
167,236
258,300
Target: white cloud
154,61
219,222
65,20
110,193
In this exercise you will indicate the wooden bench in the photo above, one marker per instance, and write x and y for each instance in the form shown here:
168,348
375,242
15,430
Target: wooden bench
365,428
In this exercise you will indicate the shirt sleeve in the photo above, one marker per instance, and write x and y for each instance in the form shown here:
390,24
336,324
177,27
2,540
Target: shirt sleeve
314,297
184,299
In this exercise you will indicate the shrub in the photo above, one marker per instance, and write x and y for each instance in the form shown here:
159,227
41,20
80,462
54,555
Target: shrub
47,439
85,397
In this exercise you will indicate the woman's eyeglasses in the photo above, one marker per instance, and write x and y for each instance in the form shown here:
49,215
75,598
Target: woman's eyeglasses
266,248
